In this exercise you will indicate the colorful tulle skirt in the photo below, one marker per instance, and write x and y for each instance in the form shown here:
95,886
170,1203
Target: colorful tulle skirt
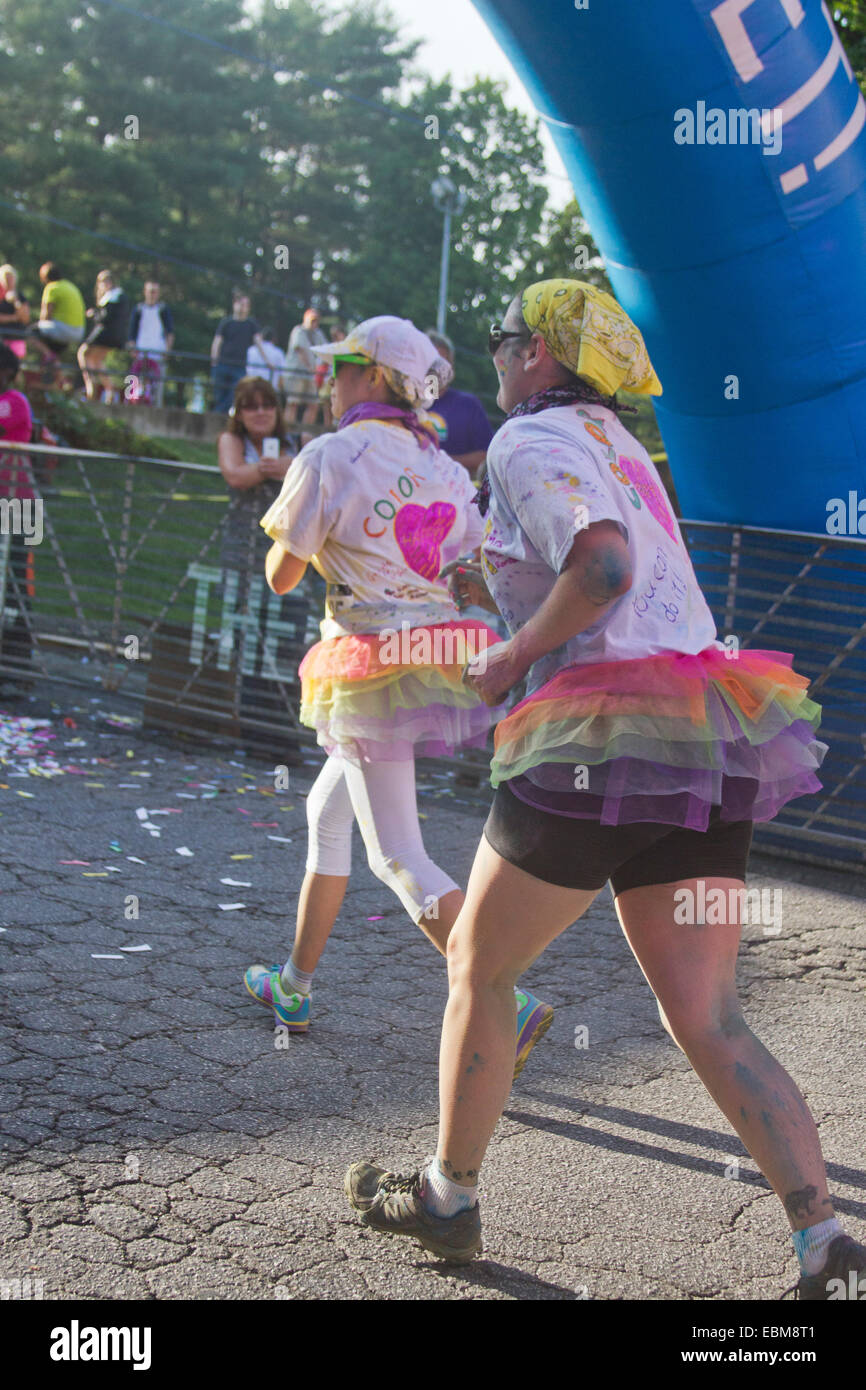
665,738
373,697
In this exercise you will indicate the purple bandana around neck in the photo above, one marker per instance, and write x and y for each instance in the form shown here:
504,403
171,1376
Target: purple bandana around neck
553,396
370,410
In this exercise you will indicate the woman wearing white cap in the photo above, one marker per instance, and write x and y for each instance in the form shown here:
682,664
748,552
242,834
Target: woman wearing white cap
379,509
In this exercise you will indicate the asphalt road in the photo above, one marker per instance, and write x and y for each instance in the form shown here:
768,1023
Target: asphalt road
157,1144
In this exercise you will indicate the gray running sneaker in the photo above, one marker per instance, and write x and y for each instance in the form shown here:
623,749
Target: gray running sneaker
361,1183
391,1204
843,1276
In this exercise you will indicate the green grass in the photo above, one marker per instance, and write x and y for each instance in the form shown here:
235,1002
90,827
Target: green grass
180,524
190,450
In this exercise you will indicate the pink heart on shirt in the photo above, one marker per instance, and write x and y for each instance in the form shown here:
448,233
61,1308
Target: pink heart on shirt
420,531
648,490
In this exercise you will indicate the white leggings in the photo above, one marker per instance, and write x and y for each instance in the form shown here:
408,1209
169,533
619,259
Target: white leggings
381,796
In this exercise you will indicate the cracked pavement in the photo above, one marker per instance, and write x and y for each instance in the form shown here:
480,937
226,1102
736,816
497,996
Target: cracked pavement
157,1144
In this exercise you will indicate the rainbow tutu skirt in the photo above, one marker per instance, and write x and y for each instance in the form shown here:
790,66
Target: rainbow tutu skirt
377,699
665,738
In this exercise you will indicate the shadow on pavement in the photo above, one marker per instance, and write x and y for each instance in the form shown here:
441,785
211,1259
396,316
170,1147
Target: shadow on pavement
487,1274
715,1139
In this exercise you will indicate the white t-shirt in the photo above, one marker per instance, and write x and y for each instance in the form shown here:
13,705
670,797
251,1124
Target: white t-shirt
556,472
379,516
151,334
271,365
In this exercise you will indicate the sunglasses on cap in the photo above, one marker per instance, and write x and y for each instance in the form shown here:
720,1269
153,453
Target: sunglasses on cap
498,335
355,357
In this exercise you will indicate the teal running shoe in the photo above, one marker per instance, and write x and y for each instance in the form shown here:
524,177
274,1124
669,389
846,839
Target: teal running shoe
290,1011
533,1020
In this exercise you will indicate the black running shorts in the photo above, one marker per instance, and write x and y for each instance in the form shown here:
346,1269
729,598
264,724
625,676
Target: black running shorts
583,854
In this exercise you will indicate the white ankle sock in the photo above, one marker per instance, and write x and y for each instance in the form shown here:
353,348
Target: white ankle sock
295,981
443,1197
813,1243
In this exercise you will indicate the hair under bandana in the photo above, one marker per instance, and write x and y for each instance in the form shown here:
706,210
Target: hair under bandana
588,332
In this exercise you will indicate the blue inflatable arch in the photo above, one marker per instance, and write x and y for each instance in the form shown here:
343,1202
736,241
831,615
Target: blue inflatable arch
735,240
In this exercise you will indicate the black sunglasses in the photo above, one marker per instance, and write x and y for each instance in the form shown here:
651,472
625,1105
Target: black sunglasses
498,334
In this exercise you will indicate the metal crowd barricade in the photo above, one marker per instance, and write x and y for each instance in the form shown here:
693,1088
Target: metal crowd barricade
129,585
803,593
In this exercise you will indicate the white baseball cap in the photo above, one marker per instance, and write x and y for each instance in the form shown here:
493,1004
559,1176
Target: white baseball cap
414,366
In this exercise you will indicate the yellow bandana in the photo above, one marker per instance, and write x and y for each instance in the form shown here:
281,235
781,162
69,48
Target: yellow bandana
587,331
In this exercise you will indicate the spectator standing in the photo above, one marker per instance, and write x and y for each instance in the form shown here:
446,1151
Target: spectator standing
61,314
16,426
235,334
254,478
151,338
268,362
301,363
14,308
460,419
110,329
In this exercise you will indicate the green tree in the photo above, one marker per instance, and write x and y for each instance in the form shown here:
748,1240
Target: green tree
128,128
850,17
280,128
493,154
567,249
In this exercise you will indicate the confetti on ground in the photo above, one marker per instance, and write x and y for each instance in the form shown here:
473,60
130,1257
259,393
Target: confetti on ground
281,839
136,948
24,744
375,919
240,856
97,955
188,796
142,812
120,721
101,874
132,859
113,844
230,907
29,795
235,883
187,853
101,785
85,863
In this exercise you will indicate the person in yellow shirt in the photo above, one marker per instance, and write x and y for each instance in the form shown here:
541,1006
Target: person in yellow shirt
61,314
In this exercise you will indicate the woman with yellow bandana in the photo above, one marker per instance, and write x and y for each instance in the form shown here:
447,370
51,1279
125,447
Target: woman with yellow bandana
640,755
